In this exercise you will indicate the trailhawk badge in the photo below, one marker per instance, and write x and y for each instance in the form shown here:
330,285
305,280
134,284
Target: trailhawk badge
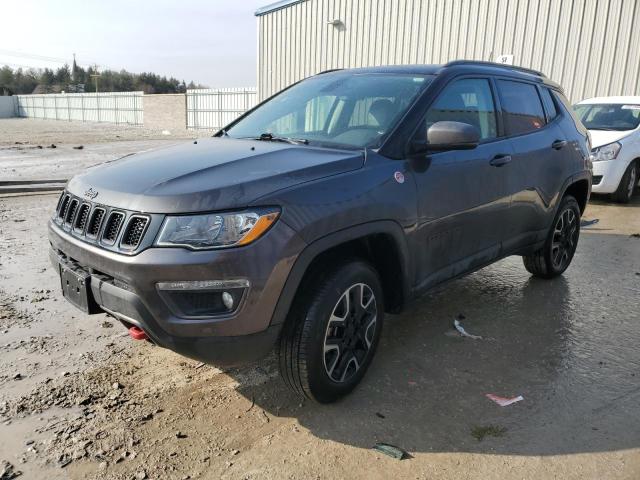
91,193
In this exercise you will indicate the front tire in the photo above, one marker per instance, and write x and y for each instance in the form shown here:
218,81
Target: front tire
332,332
628,184
561,243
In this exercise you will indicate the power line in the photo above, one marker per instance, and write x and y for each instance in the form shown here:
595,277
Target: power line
18,65
46,58
33,56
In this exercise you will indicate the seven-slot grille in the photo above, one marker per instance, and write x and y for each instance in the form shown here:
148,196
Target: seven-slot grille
101,224
133,233
112,228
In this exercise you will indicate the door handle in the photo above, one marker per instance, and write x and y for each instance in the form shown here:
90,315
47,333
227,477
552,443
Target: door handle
558,144
500,160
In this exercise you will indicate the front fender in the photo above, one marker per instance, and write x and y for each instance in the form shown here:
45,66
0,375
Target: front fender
313,250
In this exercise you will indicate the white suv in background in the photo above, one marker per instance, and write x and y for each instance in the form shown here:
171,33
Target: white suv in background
614,124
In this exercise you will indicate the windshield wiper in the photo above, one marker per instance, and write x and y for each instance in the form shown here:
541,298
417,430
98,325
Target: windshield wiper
269,137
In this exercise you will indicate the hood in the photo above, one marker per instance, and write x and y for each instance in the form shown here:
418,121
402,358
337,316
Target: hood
212,174
604,137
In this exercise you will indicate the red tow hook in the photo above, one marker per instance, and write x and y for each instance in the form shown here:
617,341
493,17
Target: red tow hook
138,334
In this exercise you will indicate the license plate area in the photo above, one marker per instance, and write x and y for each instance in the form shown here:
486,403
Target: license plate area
76,288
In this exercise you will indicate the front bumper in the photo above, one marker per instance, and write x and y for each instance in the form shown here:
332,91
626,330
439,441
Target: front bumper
611,172
125,287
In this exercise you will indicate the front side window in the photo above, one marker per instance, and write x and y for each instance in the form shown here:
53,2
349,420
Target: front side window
619,117
521,107
341,109
468,101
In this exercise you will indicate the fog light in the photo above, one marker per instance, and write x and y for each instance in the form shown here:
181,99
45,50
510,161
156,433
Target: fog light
227,299
203,298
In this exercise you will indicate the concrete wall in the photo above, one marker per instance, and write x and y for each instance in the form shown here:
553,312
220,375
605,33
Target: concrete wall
590,47
7,107
165,112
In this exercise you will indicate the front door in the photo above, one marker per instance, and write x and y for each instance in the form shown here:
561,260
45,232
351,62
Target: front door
462,195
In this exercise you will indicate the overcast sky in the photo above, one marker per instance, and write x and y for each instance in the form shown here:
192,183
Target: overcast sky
212,42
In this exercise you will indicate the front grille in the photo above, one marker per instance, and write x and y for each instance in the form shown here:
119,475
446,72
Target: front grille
71,211
133,233
95,223
81,219
112,228
596,179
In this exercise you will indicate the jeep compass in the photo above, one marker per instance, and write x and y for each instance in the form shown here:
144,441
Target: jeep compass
339,199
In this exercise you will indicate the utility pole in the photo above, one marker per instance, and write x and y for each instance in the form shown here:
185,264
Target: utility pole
95,76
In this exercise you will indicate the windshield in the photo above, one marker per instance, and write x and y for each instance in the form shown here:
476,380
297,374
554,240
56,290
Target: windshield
618,117
335,109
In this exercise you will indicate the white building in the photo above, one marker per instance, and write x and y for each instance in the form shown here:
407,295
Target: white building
590,47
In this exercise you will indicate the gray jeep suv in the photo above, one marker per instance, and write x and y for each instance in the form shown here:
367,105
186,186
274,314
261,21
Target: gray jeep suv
336,201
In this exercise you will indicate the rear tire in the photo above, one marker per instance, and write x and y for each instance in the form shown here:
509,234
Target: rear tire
332,332
628,184
561,243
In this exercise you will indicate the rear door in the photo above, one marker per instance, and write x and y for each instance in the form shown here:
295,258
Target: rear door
462,194
538,167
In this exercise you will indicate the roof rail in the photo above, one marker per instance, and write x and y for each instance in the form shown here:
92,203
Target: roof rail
494,64
329,71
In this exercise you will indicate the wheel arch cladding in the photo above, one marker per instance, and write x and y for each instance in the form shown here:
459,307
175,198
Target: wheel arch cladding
580,191
382,244
379,250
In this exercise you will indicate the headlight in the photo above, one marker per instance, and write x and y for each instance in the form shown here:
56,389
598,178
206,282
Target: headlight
215,230
606,152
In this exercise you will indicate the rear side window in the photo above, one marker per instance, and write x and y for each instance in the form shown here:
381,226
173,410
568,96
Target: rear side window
469,101
549,105
521,107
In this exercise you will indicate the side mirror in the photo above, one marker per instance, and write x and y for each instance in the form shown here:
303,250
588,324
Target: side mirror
450,136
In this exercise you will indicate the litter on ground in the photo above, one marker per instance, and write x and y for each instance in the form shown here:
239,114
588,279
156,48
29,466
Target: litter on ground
504,401
391,450
462,331
588,223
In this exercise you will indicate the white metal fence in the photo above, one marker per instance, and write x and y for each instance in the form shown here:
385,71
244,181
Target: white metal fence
212,109
109,107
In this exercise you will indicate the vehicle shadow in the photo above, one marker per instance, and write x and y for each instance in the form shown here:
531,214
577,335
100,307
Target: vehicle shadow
600,199
568,345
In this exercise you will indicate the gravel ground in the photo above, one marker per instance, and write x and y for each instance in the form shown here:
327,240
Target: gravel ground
79,400
34,131
33,149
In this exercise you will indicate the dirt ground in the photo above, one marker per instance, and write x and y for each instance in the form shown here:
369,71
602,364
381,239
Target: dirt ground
79,399
34,149
34,131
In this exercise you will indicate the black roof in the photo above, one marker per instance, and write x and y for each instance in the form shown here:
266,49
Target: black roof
471,66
